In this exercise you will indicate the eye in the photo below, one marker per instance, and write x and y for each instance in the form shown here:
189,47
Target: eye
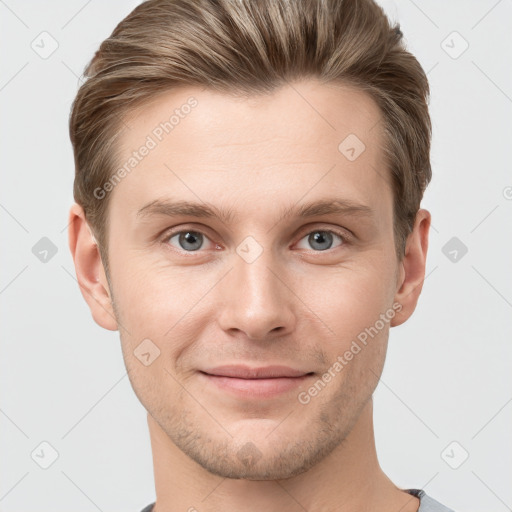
322,239
188,240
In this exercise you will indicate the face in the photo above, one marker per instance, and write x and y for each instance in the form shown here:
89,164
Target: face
286,260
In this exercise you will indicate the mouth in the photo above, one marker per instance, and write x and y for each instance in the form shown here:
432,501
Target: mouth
262,382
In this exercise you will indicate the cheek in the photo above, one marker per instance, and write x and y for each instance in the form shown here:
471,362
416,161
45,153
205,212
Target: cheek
161,304
355,349
351,304
349,299
153,294
155,385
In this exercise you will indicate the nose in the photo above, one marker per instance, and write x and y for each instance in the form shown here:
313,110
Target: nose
256,299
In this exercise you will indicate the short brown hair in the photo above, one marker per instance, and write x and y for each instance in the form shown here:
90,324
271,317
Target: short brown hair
251,47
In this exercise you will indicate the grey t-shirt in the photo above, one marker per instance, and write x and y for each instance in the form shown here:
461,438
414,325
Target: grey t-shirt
427,504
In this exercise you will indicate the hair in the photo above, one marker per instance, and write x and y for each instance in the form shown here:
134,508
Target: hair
251,47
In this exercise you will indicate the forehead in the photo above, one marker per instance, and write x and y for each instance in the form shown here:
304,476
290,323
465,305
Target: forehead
302,139
293,112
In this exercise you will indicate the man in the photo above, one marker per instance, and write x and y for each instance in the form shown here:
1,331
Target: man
248,182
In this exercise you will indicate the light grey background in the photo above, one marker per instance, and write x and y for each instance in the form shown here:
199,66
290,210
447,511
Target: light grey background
447,374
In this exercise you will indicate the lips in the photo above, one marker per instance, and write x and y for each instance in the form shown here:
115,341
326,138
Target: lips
246,372
258,383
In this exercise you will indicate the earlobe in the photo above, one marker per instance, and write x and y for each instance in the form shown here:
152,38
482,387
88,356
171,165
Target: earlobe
89,269
412,268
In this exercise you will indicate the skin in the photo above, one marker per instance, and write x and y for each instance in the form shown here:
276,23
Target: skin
295,305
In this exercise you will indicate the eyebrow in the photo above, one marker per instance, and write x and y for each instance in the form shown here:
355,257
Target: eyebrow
338,206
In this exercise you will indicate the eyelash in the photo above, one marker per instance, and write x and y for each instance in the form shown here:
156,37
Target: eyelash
346,238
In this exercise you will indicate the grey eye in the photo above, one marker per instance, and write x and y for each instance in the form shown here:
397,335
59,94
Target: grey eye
189,240
321,240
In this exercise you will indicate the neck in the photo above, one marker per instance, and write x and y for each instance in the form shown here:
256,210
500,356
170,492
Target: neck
347,480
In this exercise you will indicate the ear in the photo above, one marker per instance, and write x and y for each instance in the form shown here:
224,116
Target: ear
412,268
90,273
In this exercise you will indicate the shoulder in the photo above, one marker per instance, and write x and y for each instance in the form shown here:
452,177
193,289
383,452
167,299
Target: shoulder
427,504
